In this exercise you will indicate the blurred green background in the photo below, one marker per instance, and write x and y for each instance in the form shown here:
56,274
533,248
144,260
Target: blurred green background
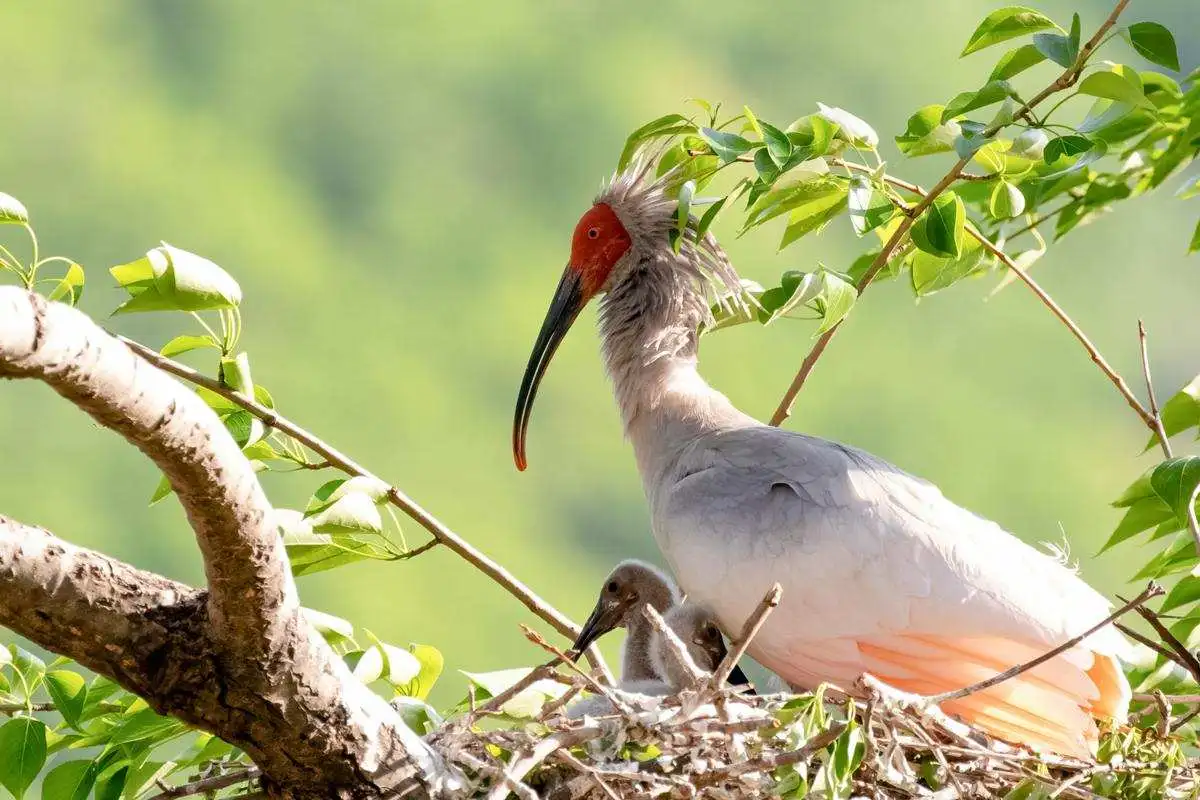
394,185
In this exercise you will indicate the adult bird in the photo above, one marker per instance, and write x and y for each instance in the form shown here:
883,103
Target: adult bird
881,574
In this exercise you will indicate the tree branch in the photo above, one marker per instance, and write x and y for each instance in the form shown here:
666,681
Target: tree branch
343,462
239,660
1064,81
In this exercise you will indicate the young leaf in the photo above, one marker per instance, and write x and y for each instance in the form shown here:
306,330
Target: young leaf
710,216
682,213
1065,147
333,629
1006,201
990,93
1175,481
1141,516
22,753
814,214
527,702
1056,47
1004,24
69,287
170,279
1119,83
939,232
727,146
187,343
12,211
432,663
779,147
930,273
69,693
1016,61
142,724
1102,114
70,780
649,130
855,130
836,300
1155,43
1194,244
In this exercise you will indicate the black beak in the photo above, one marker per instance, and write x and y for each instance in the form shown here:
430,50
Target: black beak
738,678
568,301
605,617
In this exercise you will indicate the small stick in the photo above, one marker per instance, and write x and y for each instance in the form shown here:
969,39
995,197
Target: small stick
520,767
1153,645
1153,590
209,784
750,629
768,763
675,646
495,703
1158,424
590,771
1183,656
592,683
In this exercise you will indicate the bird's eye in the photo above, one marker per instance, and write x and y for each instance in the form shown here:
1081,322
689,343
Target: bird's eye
612,587
593,233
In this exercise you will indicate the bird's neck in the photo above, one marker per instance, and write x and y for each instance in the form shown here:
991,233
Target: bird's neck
635,656
649,326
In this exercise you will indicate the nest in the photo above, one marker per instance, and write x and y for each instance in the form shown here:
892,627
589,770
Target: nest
711,740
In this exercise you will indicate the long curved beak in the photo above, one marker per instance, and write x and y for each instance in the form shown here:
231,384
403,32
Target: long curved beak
568,301
605,617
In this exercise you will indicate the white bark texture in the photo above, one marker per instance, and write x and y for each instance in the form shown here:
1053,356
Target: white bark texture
237,659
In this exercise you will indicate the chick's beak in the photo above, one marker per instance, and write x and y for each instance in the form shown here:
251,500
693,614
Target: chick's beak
605,617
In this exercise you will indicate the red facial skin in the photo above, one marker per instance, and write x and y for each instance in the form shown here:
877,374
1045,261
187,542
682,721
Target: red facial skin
598,244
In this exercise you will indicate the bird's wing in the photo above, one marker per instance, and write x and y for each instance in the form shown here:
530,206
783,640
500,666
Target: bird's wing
880,572
841,524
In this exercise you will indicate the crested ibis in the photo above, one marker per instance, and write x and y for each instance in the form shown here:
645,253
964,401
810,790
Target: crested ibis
881,574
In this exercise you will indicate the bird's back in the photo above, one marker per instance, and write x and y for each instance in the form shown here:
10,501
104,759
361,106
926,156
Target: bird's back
880,573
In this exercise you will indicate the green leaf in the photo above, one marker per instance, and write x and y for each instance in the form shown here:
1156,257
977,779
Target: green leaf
1194,244
366,665
990,93
244,427
779,147
939,232
186,343
28,669
1006,201
70,286
69,693
335,630
1155,43
70,780
111,786
527,702
12,211
853,129
1004,24
1056,47
683,211
142,774
817,193
925,133
727,146
161,491
649,130
930,273
836,300
22,753
1065,147
1184,593
1175,481
1141,516
1138,490
1119,83
142,723
170,279
813,215
432,663
710,216
1102,114
1016,61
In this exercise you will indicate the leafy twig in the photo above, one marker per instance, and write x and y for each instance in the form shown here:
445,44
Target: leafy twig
396,497
1064,81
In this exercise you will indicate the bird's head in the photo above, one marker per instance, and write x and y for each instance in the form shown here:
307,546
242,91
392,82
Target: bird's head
628,225
629,587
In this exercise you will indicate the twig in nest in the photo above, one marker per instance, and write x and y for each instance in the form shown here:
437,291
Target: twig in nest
750,629
768,763
208,785
1153,590
521,765
675,646
592,683
496,703
590,771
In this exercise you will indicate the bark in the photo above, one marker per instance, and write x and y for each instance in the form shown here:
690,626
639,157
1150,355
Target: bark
238,659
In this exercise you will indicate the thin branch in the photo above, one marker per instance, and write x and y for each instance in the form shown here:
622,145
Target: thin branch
1163,651
496,703
1153,590
1183,656
675,646
1064,81
1115,377
1163,441
396,497
750,629
769,763
206,785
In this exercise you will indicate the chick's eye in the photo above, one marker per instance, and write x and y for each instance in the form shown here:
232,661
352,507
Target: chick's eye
593,233
611,587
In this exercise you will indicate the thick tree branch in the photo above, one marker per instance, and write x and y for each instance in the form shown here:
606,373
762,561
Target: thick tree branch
1064,81
343,462
239,660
